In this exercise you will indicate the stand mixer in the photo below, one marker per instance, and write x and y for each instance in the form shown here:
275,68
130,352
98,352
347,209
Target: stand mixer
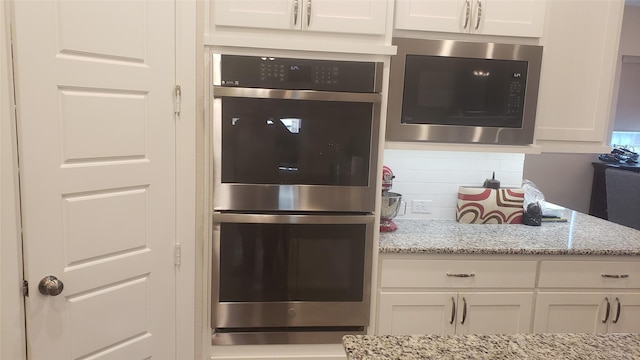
390,202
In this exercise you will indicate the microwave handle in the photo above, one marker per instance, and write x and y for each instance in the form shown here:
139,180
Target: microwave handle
223,91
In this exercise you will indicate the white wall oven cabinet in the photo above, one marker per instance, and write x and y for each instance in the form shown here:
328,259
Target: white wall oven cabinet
487,17
294,159
351,17
587,296
420,296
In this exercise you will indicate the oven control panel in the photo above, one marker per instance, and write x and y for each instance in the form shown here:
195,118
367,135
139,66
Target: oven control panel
299,74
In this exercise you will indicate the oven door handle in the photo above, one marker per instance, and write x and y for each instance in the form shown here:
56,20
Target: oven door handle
221,91
219,217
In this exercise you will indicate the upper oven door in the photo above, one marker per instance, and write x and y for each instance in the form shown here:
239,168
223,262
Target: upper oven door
294,150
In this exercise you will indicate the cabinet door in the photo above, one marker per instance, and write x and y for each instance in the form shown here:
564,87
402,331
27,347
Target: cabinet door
494,313
508,18
268,14
406,313
625,313
353,16
558,312
437,15
578,74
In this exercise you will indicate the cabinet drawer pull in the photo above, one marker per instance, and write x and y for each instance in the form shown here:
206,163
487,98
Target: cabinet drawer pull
615,321
479,15
615,276
308,13
467,15
296,7
464,311
461,275
606,315
453,310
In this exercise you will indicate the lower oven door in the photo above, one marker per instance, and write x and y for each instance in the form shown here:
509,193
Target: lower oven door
274,272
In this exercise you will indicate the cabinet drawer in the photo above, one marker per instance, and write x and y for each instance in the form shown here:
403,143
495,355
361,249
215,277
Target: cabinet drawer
417,273
589,274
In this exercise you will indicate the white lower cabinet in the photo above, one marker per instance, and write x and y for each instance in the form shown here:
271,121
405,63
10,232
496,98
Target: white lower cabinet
558,312
406,313
446,295
494,312
484,294
587,312
588,296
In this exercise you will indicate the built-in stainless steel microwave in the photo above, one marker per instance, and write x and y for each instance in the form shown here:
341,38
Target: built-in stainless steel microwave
450,91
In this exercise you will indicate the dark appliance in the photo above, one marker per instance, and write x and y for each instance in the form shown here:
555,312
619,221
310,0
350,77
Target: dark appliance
463,92
295,144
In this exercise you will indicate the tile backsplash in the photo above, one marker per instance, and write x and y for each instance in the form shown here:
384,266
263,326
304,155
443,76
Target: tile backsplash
436,175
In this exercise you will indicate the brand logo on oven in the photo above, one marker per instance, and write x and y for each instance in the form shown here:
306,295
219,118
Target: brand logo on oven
517,75
230,82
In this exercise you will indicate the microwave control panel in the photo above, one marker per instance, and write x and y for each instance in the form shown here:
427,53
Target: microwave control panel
516,98
297,74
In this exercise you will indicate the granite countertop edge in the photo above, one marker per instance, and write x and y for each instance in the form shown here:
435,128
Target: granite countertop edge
493,346
497,251
580,234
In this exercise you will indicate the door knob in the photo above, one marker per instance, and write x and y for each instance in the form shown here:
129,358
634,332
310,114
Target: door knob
50,285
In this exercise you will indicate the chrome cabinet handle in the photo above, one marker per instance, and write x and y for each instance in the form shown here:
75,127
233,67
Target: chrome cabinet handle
606,315
296,7
464,311
461,275
453,310
479,16
615,276
308,12
467,14
50,285
615,321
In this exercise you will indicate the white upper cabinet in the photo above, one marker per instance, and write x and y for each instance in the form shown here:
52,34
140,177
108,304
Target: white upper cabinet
350,17
577,83
488,17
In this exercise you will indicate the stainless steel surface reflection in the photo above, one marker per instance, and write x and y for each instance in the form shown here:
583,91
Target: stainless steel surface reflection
250,306
469,131
294,158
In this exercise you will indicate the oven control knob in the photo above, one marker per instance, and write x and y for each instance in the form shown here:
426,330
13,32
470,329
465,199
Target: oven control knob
292,313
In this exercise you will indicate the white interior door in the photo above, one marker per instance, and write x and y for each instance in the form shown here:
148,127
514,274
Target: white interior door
94,83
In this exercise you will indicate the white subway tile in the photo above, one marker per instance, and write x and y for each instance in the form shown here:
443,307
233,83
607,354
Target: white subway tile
436,176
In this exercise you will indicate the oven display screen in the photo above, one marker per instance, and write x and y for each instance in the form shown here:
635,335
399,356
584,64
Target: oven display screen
299,73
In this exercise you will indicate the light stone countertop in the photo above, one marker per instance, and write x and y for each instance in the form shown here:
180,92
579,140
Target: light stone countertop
581,235
493,347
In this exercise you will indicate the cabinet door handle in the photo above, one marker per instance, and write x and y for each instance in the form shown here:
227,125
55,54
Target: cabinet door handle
467,15
615,321
464,311
453,310
461,275
606,315
296,8
479,16
615,276
308,12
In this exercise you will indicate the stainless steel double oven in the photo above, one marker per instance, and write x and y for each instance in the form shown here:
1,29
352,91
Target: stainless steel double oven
294,149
